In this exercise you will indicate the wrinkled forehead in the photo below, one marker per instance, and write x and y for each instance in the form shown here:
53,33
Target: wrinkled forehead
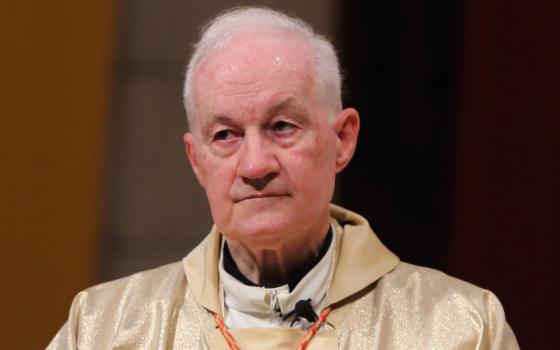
253,57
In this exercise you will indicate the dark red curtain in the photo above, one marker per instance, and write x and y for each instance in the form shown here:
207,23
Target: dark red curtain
505,193
458,165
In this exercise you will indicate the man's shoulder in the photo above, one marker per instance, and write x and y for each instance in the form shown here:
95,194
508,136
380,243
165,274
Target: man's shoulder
431,287
163,283
414,276
109,312
423,273
424,308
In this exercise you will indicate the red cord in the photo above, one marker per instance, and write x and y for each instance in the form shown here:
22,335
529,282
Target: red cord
302,344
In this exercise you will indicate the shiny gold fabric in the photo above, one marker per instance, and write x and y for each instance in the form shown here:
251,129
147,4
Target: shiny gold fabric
378,303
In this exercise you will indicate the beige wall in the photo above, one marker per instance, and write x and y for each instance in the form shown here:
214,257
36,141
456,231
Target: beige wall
54,70
86,197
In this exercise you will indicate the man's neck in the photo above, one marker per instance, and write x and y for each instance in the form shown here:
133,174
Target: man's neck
274,267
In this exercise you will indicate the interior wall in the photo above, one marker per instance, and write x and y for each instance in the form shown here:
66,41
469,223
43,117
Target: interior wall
53,101
400,62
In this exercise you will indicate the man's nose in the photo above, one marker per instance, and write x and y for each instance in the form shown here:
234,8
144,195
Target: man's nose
257,160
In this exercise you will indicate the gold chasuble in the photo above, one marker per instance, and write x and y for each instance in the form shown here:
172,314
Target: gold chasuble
377,302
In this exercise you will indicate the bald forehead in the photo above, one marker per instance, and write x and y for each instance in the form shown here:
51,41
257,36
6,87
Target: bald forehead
251,57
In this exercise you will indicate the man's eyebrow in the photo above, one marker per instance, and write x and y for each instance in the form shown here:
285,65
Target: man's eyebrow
289,104
220,119
213,120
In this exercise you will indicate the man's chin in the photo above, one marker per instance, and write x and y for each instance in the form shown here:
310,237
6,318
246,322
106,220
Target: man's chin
262,227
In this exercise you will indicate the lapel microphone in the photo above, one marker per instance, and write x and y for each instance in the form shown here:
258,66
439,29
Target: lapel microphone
302,309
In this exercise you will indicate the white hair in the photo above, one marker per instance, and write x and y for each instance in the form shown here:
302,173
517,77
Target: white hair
222,29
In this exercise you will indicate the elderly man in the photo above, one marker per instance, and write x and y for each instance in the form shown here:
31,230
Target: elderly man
282,268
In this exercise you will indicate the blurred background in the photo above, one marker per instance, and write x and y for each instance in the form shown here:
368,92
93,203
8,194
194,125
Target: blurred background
457,166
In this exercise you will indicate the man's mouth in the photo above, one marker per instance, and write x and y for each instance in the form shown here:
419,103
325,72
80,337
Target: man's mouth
261,196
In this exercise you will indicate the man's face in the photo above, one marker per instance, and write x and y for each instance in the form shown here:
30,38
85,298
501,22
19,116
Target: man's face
262,145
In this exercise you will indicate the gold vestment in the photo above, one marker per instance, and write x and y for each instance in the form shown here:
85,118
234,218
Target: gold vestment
377,302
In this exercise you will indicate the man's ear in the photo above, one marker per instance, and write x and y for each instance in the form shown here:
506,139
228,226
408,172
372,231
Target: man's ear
188,139
346,127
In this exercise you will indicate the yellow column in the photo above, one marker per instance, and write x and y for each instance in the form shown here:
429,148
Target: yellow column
54,81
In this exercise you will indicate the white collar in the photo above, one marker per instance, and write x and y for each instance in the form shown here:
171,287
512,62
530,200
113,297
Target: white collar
246,306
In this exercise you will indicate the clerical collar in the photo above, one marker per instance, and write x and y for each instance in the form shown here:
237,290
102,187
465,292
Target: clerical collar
231,267
246,305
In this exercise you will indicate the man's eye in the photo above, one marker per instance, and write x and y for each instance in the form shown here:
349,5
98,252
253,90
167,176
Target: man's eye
225,134
282,126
